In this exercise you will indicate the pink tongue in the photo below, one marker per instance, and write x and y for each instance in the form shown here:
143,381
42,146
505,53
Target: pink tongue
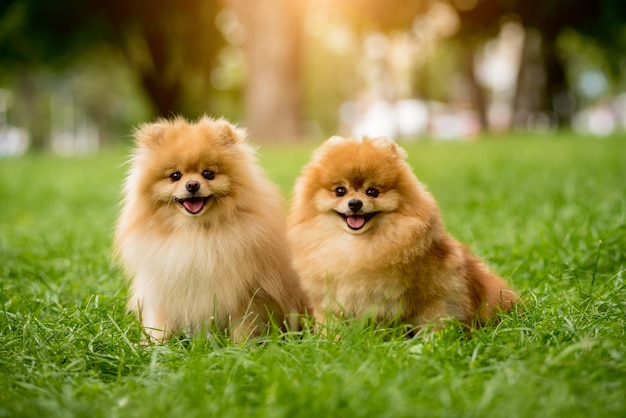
193,205
356,221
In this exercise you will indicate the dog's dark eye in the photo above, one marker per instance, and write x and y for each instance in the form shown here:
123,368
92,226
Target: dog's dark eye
208,174
340,191
372,192
175,176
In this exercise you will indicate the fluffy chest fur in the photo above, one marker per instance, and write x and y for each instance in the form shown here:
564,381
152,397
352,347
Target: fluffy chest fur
191,277
343,271
397,273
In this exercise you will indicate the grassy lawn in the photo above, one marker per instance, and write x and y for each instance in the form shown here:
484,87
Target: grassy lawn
547,213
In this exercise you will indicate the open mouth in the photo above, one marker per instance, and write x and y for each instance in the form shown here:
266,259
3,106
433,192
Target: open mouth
193,205
357,221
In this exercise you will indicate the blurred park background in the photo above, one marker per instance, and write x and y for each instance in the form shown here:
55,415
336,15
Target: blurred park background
77,75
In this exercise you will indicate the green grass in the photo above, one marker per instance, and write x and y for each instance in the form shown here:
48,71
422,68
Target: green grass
547,213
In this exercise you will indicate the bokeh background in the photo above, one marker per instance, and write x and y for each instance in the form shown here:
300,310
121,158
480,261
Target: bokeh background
78,75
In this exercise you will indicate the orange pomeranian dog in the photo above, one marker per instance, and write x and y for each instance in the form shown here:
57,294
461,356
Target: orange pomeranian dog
368,242
202,234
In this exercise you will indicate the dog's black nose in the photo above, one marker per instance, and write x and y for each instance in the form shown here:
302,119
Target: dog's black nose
355,205
192,186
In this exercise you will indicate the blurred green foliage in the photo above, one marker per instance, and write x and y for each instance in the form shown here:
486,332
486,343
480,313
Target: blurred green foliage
165,43
124,61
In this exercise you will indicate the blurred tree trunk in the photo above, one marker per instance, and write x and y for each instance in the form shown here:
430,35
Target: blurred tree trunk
31,113
162,87
169,45
273,50
542,87
477,92
530,96
560,99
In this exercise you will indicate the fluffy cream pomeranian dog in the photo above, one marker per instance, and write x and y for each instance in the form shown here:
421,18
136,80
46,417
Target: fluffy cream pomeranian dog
202,235
368,242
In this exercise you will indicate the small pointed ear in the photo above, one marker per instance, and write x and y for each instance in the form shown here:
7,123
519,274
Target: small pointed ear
335,140
330,142
228,132
388,144
150,134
